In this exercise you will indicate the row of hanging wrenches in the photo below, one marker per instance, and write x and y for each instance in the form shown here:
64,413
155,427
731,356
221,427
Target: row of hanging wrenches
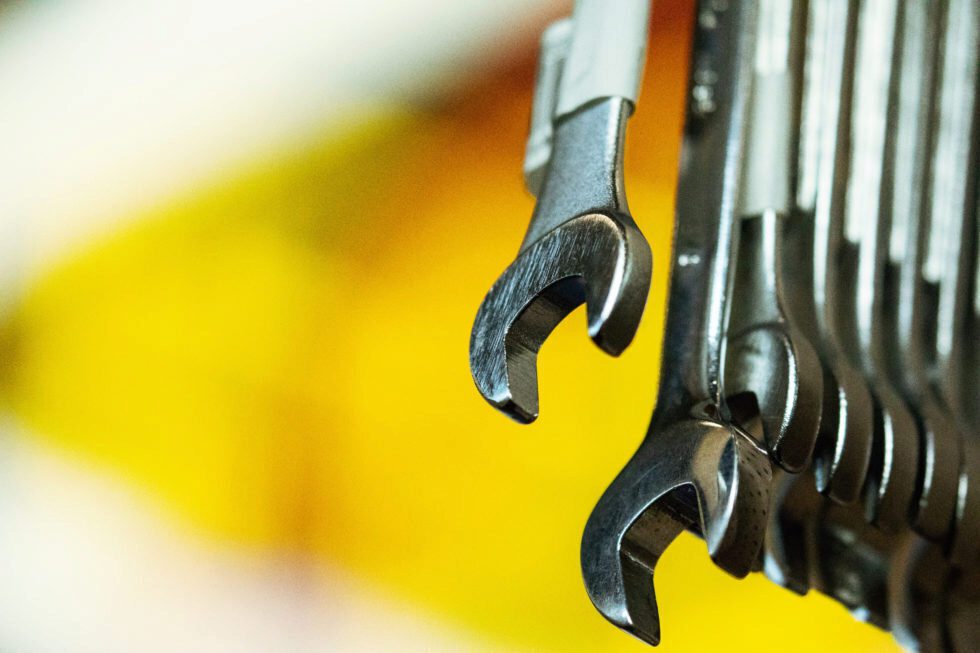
818,415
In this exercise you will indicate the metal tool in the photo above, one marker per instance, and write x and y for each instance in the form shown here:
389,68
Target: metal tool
812,541
582,244
769,362
949,262
817,415
695,469
936,606
895,458
896,581
798,515
918,586
921,578
814,239
911,299
773,375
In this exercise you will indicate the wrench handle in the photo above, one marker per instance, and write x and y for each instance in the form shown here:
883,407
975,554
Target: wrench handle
607,53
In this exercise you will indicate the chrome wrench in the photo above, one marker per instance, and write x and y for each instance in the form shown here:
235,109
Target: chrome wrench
694,470
582,245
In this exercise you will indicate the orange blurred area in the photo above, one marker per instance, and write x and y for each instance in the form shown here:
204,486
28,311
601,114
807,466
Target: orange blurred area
280,364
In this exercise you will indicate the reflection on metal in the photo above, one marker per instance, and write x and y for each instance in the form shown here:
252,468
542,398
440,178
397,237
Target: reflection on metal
817,412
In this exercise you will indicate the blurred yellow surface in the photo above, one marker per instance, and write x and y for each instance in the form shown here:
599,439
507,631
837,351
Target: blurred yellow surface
283,361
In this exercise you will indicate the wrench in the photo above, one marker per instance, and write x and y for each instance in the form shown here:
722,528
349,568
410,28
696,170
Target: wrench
695,469
844,446
769,363
910,297
843,449
774,380
582,245
826,544
892,486
812,541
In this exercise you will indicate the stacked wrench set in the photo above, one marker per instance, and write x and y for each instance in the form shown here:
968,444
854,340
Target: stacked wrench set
818,415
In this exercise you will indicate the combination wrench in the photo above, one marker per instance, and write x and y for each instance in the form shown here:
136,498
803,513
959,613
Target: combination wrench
582,245
695,469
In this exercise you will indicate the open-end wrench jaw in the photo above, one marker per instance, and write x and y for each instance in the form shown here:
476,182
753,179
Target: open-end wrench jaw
600,259
768,359
782,372
699,474
582,245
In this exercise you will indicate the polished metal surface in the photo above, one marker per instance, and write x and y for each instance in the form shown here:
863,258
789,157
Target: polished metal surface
910,298
694,469
815,240
582,247
769,362
818,409
949,261
892,483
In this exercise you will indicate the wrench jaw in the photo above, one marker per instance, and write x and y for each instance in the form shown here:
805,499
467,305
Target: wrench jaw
615,302
781,371
941,453
599,259
841,469
843,450
892,489
697,474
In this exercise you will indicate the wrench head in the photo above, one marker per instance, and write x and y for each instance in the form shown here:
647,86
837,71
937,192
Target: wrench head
893,479
697,474
938,487
843,454
780,370
599,259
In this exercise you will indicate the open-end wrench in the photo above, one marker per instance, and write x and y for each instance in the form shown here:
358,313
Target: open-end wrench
892,485
843,449
582,244
911,299
773,375
769,362
921,569
694,469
